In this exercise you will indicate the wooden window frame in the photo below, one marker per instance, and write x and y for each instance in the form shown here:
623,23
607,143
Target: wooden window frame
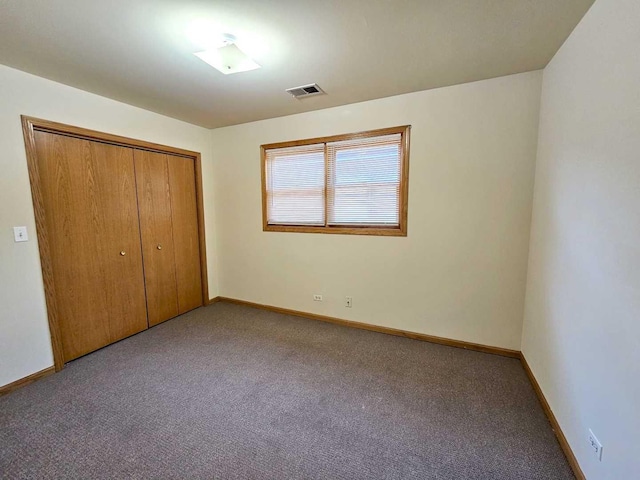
29,126
396,231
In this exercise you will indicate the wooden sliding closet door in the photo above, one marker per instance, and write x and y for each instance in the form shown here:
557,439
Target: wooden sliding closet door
154,205
88,192
182,181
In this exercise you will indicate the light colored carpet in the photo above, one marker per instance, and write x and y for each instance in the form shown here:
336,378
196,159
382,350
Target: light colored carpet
232,392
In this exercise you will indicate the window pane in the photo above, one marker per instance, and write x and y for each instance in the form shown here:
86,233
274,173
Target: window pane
364,181
295,185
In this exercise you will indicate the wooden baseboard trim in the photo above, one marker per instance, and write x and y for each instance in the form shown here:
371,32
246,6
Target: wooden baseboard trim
26,380
555,426
375,328
213,300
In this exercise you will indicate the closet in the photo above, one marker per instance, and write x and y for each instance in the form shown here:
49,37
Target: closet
119,233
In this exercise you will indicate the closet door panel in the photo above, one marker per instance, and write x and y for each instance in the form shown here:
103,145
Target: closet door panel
90,210
186,240
120,231
154,208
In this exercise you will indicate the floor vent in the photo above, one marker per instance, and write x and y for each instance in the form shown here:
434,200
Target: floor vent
306,91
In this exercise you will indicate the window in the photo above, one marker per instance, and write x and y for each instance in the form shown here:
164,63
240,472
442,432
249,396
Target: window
351,184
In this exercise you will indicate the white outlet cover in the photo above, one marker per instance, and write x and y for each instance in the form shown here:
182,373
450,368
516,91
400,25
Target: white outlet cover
595,445
20,234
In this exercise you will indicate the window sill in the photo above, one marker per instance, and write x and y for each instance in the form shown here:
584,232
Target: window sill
376,231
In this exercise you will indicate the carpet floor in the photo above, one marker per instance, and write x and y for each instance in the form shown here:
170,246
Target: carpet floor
232,392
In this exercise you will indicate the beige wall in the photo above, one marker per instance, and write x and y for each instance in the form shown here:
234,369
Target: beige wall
25,347
461,271
582,321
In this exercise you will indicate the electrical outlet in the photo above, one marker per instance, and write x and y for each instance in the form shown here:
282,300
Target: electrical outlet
317,298
595,445
348,302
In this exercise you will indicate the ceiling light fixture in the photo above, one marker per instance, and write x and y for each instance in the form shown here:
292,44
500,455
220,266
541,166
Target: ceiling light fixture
228,58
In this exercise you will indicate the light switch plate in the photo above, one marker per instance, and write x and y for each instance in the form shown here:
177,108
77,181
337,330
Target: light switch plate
20,234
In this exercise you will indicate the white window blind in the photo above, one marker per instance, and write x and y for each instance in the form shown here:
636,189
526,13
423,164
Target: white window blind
363,183
295,185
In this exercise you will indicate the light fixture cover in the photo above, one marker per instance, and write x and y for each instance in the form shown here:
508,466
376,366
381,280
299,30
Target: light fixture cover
228,59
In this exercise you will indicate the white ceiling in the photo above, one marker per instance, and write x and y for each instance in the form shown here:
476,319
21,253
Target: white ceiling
136,51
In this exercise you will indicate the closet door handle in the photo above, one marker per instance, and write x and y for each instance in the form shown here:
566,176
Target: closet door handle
123,253
159,247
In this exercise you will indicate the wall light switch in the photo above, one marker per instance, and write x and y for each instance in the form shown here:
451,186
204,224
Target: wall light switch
20,234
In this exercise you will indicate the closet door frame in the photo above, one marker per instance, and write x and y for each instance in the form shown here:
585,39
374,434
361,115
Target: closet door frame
31,125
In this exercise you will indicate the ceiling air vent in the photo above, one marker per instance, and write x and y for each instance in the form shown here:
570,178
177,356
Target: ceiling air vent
306,91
